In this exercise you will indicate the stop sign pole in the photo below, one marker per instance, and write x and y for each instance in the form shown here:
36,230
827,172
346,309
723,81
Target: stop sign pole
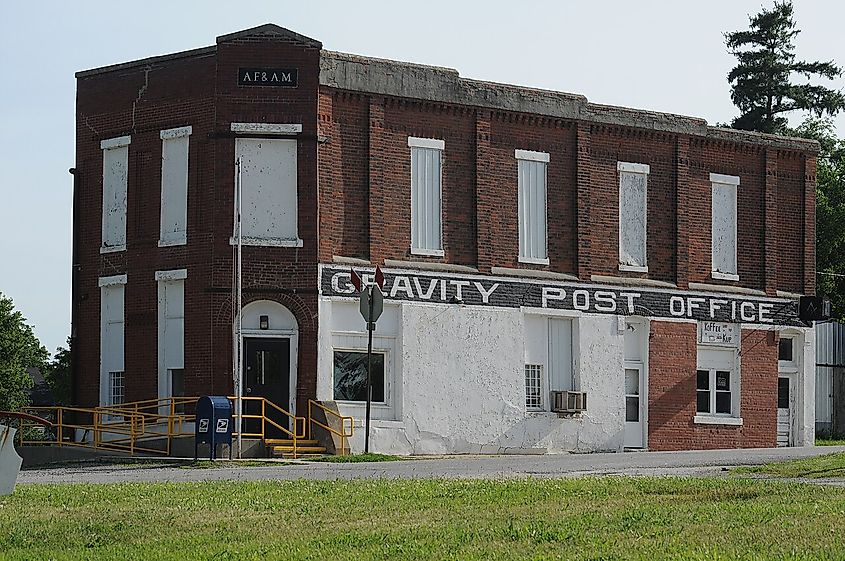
372,305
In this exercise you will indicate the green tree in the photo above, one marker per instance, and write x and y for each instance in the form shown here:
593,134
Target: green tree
19,350
830,210
762,84
58,375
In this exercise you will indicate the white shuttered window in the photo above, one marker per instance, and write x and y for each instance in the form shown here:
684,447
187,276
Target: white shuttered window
171,329
115,176
174,186
724,224
268,177
426,196
111,335
633,196
531,173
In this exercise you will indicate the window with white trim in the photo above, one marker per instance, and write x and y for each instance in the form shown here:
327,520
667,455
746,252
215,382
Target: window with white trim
174,186
426,196
171,331
117,388
717,379
267,171
112,290
724,226
350,376
633,216
534,386
549,364
115,178
531,181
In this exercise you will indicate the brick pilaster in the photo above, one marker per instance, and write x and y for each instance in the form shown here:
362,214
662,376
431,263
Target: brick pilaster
484,189
376,176
583,167
770,221
682,225
809,224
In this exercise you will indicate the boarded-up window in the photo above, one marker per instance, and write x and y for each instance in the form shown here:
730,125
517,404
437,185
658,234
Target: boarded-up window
426,164
531,174
171,330
268,183
174,186
633,193
115,174
111,334
724,224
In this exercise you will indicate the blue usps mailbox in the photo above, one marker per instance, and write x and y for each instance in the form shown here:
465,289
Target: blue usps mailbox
213,424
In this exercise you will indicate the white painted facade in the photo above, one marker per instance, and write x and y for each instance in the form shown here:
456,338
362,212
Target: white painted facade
456,378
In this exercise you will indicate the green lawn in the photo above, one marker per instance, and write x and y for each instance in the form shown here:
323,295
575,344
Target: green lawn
829,442
606,518
829,465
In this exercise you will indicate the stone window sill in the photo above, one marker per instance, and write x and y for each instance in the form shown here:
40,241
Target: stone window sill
714,420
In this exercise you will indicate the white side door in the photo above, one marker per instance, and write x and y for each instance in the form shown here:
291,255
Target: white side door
786,410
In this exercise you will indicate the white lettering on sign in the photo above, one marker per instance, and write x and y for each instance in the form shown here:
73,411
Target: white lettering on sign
203,425
716,333
222,425
422,287
550,293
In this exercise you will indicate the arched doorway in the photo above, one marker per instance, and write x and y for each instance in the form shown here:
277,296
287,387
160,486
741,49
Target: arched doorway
270,349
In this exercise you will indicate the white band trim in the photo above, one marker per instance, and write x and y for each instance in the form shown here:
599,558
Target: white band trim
176,133
633,168
176,274
114,279
415,142
714,420
532,156
267,128
115,142
724,179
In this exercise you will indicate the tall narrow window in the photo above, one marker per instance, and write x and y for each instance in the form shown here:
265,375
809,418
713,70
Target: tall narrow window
724,224
534,386
171,332
111,339
531,177
560,355
266,169
174,186
115,174
426,196
633,195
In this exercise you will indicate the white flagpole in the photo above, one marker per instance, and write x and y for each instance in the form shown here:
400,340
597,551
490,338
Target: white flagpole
240,342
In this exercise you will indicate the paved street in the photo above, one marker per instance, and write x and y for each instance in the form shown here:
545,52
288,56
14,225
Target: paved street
695,463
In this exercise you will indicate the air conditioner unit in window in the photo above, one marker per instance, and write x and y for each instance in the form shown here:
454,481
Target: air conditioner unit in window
569,402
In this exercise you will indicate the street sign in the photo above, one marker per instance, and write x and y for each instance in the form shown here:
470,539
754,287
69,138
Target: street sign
378,304
356,280
379,277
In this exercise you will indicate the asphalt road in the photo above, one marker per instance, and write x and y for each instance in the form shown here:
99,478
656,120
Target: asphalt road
694,463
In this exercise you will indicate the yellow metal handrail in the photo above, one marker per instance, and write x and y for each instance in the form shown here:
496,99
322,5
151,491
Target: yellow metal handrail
341,433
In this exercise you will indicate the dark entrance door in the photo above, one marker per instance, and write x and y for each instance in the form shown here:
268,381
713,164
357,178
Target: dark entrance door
267,375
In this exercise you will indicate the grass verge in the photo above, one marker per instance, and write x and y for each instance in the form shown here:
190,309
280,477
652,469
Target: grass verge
355,458
829,465
829,442
593,518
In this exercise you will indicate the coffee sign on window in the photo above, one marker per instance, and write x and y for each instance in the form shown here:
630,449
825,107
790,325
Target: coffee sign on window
717,333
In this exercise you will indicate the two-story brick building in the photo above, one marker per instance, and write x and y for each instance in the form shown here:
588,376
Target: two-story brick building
541,252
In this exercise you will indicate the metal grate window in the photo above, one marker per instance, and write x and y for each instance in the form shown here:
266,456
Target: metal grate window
117,389
534,386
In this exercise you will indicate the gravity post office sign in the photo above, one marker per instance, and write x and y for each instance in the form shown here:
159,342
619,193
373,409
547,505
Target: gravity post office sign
479,290
278,77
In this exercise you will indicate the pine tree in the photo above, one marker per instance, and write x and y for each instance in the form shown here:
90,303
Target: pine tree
761,82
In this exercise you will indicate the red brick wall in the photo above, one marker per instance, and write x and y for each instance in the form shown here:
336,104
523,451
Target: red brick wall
672,388
200,91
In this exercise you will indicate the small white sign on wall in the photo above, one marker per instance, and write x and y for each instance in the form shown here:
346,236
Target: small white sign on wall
716,333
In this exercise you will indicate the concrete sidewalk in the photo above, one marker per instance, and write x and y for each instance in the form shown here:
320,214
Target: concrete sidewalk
697,463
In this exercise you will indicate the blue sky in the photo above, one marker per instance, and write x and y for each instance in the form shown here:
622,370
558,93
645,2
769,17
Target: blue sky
649,54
